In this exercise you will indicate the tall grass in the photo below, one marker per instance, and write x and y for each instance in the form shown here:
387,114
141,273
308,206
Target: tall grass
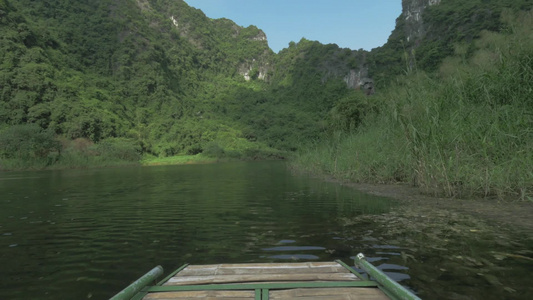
465,131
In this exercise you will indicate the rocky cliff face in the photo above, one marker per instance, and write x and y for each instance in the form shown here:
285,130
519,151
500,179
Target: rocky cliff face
257,67
410,30
357,78
346,64
233,48
412,14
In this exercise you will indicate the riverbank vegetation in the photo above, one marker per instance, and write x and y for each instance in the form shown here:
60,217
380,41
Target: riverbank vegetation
465,130
106,82
31,147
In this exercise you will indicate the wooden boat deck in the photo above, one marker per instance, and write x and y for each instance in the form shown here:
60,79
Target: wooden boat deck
310,280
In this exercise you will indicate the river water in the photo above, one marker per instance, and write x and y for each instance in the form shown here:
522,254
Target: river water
86,234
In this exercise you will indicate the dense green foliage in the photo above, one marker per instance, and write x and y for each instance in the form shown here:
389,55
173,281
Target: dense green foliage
465,130
107,69
161,74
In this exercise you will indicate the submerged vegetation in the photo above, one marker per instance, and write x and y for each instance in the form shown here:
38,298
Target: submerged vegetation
466,130
449,254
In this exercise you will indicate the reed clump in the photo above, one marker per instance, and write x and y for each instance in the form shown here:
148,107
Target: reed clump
464,131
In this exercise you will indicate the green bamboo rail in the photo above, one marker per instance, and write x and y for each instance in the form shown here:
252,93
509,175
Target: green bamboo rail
139,284
385,281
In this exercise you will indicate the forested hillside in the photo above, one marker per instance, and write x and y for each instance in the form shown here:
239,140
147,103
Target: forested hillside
465,130
101,81
428,30
100,70
156,77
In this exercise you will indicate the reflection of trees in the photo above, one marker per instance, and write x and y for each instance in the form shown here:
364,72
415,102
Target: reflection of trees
111,223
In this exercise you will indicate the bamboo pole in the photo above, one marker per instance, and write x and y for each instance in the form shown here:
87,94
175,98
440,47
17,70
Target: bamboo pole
139,284
389,284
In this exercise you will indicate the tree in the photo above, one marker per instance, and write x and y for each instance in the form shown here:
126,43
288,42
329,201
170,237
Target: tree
27,141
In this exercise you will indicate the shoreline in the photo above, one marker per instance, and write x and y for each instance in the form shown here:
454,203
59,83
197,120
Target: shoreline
514,213
517,214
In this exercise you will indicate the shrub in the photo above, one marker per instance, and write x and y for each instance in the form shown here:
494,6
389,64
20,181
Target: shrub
119,148
28,141
213,149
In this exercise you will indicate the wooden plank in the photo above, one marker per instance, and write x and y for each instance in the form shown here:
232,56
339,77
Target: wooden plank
266,265
260,277
329,293
172,274
202,294
262,285
191,280
254,265
266,270
323,263
351,270
280,265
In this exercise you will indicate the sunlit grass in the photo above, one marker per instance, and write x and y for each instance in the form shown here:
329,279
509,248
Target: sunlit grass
177,160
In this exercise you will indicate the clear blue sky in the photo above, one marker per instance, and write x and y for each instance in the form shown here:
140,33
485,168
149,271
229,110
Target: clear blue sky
350,24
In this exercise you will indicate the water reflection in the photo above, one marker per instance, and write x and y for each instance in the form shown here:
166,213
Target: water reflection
294,248
79,233
295,257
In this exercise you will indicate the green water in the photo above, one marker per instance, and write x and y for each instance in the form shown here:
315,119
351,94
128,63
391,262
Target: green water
86,234
79,234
